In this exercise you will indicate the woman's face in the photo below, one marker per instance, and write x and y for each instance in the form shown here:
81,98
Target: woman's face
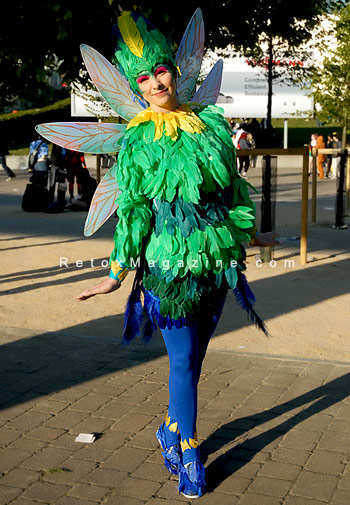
159,89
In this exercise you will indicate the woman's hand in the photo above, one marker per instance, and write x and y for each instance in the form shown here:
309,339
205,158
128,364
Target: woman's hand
108,285
266,239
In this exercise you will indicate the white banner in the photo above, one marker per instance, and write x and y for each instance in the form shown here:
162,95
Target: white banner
244,91
89,103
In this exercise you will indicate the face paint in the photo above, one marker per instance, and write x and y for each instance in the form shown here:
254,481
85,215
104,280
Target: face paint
159,88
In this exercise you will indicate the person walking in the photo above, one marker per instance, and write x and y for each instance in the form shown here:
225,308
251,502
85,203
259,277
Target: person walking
184,212
244,160
320,144
3,154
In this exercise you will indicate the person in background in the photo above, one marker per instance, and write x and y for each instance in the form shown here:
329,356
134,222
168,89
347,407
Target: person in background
328,161
88,187
74,163
252,145
336,157
58,180
232,123
3,153
40,169
244,160
255,130
312,144
320,144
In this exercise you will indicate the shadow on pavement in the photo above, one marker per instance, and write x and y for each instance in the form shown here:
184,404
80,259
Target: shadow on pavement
314,401
46,363
36,365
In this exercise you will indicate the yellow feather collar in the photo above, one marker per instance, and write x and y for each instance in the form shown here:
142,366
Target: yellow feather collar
183,118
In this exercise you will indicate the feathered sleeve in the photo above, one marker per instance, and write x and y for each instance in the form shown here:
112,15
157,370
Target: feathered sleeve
134,210
243,210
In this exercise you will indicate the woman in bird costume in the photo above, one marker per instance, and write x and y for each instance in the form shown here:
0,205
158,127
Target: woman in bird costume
183,210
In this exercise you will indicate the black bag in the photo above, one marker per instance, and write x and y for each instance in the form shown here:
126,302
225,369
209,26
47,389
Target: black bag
35,198
33,157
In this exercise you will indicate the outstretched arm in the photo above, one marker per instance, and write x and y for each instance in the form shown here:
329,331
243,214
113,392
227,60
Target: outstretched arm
108,285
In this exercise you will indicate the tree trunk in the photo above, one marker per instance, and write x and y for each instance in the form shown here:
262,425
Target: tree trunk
345,130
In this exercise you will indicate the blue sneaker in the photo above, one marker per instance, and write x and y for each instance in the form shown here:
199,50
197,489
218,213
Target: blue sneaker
172,454
192,479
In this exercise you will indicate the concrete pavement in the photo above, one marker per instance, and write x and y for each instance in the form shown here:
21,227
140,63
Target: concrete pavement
273,430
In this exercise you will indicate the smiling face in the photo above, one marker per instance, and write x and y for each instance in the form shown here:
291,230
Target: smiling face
159,89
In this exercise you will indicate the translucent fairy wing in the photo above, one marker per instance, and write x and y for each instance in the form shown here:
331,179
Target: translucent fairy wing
189,56
103,203
208,92
112,85
89,137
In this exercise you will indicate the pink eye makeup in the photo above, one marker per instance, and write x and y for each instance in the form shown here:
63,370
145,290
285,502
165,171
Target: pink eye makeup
142,79
160,70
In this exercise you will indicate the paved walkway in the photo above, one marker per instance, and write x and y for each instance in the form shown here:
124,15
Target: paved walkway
273,430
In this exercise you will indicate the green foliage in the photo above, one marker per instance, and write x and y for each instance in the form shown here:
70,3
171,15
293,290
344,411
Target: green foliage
331,81
19,128
47,35
44,37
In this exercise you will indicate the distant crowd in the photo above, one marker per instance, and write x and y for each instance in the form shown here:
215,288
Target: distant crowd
247,135
328,165
59,180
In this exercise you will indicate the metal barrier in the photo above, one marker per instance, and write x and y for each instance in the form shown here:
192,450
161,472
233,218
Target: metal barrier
343,176
298,151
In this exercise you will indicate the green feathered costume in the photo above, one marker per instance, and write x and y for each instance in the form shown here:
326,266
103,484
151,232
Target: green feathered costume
183,201
183,210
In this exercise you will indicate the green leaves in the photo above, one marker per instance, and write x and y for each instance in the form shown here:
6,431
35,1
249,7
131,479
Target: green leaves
331,81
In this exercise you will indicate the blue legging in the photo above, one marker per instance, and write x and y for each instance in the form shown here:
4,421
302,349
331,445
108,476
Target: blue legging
186,349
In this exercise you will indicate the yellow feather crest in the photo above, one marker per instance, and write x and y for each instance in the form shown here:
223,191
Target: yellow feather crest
130,33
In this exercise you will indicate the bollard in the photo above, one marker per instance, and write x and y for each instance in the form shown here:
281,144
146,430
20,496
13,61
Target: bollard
268,202
339,214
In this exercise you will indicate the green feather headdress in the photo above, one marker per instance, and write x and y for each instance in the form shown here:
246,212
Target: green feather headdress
140,47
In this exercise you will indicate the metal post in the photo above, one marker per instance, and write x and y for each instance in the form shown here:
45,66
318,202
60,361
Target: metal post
268,202
304,208
266,225
285,134
339,215
314,185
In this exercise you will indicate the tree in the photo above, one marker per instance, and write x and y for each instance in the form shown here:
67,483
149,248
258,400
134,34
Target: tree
38,37
331,80
269,33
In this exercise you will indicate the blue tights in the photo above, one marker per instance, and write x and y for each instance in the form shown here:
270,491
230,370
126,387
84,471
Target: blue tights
186,349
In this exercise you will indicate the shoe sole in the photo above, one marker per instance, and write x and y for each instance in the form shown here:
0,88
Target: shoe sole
191,497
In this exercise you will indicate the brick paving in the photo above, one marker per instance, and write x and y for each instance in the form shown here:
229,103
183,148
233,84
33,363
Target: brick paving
273,430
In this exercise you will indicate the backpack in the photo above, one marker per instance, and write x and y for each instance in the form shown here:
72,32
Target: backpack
35,199
33,157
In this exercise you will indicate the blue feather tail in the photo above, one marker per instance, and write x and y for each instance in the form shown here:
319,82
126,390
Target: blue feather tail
246,299
133,315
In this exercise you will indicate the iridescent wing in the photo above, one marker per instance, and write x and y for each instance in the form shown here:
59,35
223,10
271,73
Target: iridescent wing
89,137
112,85
103,203
189,56
208,92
